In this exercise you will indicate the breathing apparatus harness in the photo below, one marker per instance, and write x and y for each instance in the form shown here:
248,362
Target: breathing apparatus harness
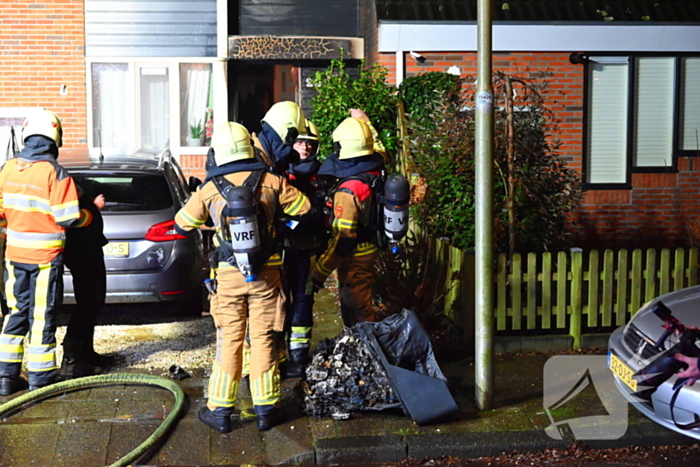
388,220
244,240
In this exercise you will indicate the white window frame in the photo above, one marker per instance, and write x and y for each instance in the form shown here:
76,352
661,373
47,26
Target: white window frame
134,64
629,135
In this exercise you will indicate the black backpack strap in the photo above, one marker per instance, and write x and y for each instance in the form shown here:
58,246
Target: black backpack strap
253,182
254,179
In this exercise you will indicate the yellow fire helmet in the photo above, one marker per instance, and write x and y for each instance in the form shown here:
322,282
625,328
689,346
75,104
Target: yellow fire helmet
231,142
353,138
287,119
43,122
311,135
310,132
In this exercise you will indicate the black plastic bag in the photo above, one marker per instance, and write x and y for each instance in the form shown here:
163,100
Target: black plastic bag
404,343
406,353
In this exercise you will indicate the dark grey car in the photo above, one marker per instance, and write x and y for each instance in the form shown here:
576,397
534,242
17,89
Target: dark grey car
632,347
146,259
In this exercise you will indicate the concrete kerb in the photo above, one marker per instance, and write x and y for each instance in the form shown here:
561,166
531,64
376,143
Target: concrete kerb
360,450
394,448
478,444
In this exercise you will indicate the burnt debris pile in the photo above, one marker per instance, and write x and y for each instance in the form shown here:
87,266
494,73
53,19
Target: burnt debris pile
343,377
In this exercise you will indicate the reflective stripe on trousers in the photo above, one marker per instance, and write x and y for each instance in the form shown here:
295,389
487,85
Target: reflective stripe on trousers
34,293
300,338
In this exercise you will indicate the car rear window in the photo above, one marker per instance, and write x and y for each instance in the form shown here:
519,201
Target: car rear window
126,192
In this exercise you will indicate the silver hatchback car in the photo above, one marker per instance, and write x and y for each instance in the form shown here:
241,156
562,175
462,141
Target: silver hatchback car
632,349
146,259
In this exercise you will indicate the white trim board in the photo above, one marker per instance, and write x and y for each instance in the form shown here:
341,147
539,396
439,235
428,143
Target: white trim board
462,37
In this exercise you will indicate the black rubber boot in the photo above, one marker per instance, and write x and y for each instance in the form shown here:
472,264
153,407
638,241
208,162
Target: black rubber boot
268,416
218,419
300,356
49,383
73,364
290,369
12,384
92,357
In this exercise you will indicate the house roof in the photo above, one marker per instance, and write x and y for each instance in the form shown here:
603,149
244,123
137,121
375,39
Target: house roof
548,11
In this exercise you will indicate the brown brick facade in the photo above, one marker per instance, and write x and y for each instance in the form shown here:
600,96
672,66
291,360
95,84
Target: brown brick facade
43,48
193,165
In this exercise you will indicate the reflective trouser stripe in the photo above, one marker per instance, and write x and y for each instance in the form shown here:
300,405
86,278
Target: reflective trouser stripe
281,349
11,349
222,388
300,337
41,357
246,358
266,389
10,286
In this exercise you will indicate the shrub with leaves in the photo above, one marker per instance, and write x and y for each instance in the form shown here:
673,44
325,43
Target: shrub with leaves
423,94
338,93
405,281
544,190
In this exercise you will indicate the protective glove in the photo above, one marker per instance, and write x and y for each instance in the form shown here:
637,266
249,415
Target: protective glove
317,284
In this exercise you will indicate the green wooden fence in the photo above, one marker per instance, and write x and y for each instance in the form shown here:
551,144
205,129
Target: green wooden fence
567,290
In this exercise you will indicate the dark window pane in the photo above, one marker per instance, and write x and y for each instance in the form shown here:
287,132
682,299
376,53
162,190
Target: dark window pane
125,192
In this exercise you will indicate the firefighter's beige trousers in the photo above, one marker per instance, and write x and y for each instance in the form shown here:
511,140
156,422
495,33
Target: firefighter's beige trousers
260,306
355,276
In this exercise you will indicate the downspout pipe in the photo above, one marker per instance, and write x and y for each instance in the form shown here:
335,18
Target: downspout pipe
400,67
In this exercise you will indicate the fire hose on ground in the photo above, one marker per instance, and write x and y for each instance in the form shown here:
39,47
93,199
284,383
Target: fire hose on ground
118,378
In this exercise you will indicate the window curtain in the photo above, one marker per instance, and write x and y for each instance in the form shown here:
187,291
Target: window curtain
155,108
110,107
195,82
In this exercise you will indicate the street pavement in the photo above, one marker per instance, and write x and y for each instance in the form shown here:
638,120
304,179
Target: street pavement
98,426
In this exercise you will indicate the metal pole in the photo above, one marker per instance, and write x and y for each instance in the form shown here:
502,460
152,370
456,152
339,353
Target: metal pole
484,359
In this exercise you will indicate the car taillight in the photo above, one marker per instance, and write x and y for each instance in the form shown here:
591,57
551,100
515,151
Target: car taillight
163,232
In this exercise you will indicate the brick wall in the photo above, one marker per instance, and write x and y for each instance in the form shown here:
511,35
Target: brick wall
660,209
193,165
42,48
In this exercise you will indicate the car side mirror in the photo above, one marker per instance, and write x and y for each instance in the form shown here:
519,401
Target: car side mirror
193,183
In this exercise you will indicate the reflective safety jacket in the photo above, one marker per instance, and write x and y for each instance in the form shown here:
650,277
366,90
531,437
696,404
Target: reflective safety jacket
275,195
39,200
352,208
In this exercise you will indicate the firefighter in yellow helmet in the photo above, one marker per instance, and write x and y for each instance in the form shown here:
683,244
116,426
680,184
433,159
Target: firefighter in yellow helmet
39,200
243,199
300,248
280,127
352,248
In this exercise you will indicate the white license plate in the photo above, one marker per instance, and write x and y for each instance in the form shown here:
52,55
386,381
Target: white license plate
622,371
116,250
